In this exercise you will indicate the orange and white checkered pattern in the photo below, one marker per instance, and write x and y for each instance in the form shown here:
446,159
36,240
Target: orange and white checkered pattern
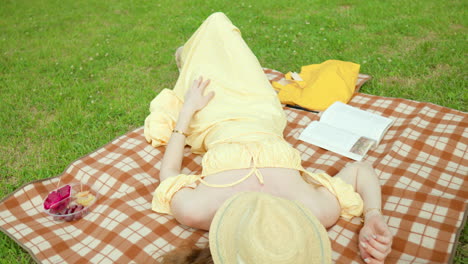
422,163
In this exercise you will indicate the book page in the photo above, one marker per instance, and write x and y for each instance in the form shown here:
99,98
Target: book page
336,140
357,121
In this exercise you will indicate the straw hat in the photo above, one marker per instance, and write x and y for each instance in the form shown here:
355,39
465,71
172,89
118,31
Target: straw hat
257,228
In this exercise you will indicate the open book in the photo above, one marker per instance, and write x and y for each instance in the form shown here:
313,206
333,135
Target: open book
346,130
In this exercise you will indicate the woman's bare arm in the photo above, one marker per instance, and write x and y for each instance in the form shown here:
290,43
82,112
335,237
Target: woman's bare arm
375,239
172,160
362,177
194,101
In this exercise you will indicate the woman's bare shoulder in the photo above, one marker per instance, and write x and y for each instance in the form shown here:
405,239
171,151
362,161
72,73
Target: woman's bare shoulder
323,204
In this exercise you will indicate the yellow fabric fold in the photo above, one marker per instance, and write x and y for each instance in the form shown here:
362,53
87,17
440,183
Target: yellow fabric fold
321,85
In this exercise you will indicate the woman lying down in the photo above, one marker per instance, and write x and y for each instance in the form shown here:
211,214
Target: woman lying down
252,194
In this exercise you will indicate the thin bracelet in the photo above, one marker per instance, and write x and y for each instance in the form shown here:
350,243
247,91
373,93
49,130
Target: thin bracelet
367,211
179,132
371,209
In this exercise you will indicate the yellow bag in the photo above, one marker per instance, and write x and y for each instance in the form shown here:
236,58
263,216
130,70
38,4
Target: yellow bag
321,85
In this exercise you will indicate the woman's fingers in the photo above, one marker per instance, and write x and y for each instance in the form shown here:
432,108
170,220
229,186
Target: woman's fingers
195,97
210,95
383,248
208,98
374,249
363,252
375,241
205,84
196,82
199,83
385,239
374,252
366,256
373,261
382,229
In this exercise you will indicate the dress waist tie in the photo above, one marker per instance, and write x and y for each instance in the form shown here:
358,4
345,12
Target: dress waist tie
252,171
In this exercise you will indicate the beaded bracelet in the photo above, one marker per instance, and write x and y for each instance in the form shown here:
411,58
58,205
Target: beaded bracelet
178,132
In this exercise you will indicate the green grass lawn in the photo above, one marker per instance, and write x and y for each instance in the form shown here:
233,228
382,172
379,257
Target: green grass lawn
76,74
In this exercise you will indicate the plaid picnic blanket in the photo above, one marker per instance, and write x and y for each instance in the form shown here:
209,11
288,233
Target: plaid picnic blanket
421,162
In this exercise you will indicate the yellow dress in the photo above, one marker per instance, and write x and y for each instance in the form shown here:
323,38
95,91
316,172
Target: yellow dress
243,123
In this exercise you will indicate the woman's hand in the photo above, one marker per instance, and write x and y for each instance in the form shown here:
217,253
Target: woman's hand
194,101
194,98
375,239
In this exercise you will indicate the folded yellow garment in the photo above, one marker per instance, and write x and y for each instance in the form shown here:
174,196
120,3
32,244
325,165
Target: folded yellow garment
321,85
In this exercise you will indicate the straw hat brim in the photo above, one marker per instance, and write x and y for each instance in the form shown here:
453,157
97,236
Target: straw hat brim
256,228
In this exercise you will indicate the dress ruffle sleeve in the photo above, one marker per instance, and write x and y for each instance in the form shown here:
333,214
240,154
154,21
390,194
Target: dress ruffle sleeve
165,191
350,201
159,124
